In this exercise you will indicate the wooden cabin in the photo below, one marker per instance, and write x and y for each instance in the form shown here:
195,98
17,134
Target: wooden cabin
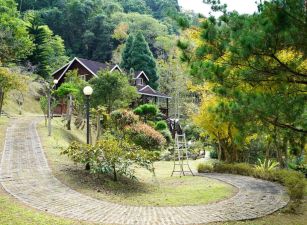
87,69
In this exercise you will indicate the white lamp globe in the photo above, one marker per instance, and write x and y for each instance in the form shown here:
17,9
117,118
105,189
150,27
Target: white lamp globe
88,90
55,81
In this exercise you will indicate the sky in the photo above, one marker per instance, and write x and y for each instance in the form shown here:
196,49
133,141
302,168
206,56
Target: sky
242,6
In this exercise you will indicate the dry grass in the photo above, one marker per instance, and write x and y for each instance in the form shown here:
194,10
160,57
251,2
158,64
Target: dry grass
31,104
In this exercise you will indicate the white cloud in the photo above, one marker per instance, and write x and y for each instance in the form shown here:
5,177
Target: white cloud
242,6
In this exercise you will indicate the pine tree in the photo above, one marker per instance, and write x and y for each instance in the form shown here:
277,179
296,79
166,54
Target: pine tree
140,58
49,52
126,55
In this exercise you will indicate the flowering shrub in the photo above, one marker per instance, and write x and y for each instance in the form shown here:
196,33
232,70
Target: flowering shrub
146,136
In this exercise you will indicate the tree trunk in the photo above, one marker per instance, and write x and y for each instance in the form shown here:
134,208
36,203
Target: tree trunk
45,120
302,144
232,148
69,113
87,166
98,127
1,100
278,148
219,153
267,155
114,173
285,151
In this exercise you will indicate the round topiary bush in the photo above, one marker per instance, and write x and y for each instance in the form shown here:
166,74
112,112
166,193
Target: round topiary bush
161,125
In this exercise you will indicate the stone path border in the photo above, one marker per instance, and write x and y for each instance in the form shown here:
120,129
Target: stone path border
25,174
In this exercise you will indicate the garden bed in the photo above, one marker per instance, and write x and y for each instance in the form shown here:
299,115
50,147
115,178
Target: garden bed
148,190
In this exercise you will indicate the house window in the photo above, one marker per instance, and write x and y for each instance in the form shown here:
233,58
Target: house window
139,81
83,77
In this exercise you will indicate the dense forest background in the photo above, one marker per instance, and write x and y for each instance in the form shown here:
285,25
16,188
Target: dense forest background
52,31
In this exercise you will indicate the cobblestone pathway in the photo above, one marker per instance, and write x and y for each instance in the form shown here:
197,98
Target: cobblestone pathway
25,174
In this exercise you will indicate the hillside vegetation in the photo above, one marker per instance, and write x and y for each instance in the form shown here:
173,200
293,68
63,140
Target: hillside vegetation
30,99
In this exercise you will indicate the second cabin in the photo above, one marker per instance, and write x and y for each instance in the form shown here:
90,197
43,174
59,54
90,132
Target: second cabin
87,69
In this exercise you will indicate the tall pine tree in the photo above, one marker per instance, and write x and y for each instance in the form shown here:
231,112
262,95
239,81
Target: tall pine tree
139,57
126,55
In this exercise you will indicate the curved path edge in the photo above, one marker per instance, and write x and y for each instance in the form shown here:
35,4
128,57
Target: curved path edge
25,174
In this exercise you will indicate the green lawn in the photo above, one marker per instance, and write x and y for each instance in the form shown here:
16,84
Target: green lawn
13,212
161,190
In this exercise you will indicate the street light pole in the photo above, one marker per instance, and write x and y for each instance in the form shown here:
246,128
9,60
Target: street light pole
88,91
87,119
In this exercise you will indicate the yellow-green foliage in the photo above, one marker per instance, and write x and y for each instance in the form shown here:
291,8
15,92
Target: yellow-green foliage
267,165
203,167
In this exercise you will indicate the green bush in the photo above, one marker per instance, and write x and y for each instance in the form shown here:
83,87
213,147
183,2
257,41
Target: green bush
298,165
213,154
240,168
167,135
292,180
151,123
203,168
147,111
161,125
111,156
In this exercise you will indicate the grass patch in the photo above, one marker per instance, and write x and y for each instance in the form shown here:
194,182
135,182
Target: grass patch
161,190
14,213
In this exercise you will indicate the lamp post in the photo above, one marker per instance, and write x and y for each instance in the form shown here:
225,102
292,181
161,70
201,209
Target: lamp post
55,82
88,91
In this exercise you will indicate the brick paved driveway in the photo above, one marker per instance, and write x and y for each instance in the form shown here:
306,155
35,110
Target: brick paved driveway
25,174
